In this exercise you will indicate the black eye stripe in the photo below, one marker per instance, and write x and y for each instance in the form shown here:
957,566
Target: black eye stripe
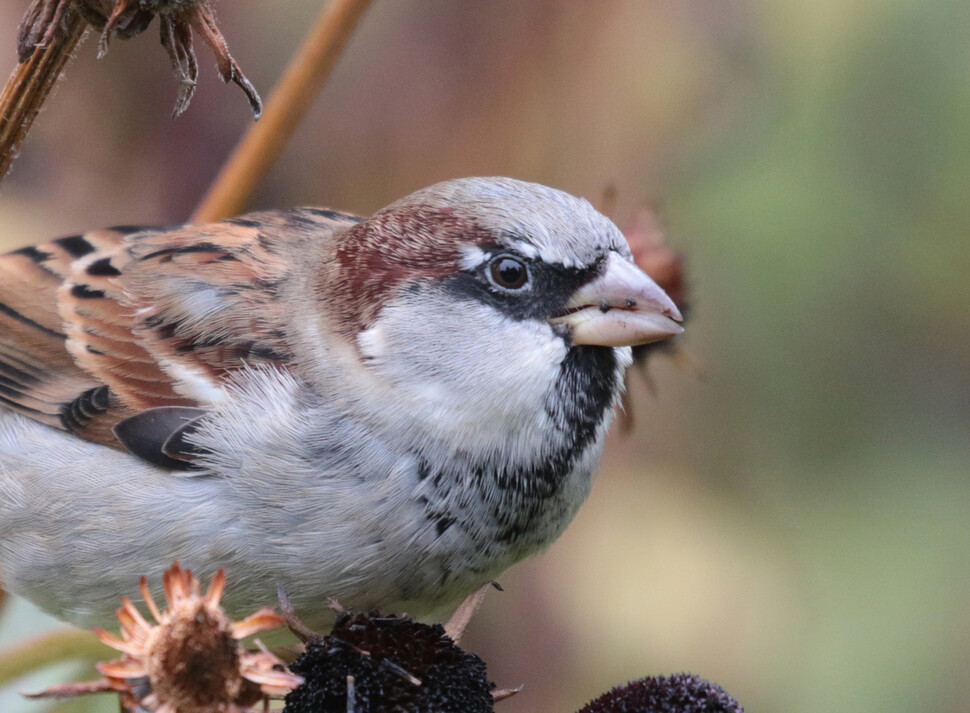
549,286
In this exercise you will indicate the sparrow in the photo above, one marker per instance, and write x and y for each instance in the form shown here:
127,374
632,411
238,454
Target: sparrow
386,411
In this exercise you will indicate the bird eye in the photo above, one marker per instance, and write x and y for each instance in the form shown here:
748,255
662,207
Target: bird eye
508,272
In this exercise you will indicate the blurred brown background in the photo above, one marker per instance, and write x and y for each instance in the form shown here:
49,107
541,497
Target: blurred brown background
795,525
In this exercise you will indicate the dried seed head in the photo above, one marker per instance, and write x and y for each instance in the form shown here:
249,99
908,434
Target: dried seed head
664,264
681,693
193,658
177,19
190,661
378,664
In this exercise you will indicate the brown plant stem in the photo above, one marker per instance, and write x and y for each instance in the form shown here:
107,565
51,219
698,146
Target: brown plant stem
53,647
264,142
31,83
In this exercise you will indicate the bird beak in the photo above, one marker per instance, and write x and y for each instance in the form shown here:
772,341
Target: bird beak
622,307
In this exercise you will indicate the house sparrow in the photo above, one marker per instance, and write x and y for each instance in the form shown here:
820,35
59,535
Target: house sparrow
386,411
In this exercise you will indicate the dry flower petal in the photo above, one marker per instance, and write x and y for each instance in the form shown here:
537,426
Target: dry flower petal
462,616
70,690
260,621
149,599
123,668
500,694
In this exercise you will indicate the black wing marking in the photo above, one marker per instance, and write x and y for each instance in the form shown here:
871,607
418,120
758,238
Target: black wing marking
157,435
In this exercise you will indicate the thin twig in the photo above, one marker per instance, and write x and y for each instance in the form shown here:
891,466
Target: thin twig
31,83
50,648
263,143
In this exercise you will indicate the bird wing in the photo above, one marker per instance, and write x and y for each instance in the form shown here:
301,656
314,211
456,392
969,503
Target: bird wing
125,336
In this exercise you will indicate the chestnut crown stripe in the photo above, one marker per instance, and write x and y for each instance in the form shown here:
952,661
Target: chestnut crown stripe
375,257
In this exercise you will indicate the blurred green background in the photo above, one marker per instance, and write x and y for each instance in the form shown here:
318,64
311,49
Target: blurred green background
793,525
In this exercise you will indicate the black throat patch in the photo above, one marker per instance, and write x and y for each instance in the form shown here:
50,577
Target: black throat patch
518,496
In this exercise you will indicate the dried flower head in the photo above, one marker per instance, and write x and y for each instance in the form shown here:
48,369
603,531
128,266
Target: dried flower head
388,664
680,693
177,20
190,661
663,263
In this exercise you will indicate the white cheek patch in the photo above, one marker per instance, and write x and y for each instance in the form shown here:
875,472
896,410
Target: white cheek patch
474,379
